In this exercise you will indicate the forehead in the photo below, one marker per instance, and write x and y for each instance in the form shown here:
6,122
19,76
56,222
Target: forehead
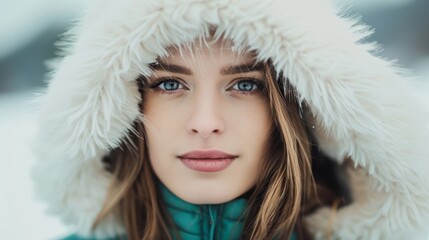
221,51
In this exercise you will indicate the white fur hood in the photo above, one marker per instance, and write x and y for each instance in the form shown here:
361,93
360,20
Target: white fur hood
362,106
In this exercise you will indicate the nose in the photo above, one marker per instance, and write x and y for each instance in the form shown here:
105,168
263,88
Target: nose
206,116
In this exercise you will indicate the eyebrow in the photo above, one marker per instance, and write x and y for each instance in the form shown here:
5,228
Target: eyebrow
162,66
228,70
243,68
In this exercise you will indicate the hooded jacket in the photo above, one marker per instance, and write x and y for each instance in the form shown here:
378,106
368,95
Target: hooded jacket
362,107
200,222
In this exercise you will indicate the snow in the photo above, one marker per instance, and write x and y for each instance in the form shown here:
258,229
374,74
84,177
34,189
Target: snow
21,217
23,20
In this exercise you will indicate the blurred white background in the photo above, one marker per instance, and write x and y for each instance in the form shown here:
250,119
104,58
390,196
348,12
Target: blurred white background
28,30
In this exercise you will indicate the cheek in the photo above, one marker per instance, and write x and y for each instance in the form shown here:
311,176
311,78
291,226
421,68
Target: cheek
252,124
159,127
160,117
252,120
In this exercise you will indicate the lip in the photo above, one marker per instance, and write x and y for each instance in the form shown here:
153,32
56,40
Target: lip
207,161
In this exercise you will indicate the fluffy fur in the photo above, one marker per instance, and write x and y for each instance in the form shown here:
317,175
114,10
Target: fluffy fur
362,106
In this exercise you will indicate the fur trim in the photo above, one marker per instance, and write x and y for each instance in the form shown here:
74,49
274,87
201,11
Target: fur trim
362,106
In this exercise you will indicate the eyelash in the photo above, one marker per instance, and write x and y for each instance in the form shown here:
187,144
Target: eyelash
260,85
155,85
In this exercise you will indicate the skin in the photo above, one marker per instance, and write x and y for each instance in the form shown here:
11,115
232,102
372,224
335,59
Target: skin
205,108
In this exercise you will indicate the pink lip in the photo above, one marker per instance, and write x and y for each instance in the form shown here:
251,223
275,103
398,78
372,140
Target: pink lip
207,161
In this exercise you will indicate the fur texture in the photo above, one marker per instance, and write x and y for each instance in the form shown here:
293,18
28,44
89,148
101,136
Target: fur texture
362,106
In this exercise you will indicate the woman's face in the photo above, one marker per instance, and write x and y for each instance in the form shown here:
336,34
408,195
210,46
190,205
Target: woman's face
207,122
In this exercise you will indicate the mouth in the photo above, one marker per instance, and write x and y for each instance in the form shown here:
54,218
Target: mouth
207,161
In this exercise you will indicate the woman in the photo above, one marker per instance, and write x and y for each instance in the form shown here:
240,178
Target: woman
193,120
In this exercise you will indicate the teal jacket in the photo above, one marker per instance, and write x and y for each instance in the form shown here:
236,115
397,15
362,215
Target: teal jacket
201,222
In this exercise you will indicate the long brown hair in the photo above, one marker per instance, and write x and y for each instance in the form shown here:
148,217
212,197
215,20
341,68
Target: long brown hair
285,176
275,203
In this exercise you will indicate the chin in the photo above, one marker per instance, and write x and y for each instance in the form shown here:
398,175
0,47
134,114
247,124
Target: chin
215,189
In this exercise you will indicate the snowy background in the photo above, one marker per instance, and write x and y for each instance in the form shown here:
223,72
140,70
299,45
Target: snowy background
28,30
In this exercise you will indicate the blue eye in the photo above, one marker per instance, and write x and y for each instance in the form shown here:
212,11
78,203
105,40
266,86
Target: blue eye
169,85
248,85
166,85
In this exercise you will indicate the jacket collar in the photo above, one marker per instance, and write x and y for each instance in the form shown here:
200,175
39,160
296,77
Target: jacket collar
206,221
